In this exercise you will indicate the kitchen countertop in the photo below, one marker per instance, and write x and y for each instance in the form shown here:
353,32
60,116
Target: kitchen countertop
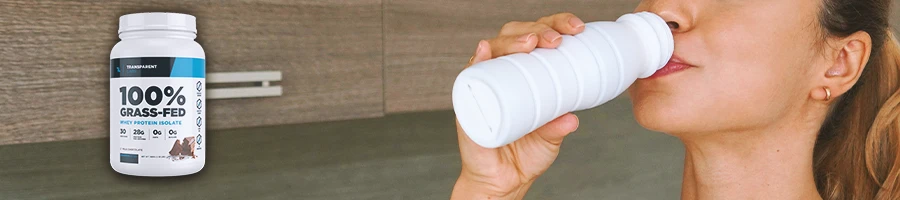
401,156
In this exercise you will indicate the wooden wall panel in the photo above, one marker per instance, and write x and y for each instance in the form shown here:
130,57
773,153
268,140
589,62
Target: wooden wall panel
427,43
54,57
895,17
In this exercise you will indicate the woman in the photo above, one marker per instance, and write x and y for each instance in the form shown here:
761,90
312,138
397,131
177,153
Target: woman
773,99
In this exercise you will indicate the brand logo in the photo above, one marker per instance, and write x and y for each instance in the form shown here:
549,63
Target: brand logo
140,66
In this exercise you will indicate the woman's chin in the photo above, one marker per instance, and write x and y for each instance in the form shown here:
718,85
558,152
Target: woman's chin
663,119
654,124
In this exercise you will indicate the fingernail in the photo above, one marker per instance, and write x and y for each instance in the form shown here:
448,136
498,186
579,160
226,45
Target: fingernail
480,47
577,123
526,38
551,35
576,23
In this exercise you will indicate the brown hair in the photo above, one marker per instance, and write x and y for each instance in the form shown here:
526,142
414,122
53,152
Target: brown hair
857,154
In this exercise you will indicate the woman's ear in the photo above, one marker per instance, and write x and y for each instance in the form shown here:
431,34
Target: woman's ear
848,62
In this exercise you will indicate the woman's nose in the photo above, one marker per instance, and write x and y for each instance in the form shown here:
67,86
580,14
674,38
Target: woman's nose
676,13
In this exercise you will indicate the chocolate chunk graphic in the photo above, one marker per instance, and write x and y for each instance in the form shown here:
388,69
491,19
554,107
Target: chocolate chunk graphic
176,149
188,146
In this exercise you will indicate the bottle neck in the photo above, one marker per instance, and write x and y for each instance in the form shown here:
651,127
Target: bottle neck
157,34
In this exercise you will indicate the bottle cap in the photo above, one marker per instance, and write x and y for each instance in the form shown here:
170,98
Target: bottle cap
157,21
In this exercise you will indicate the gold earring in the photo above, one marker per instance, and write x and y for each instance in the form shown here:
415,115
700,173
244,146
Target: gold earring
827,93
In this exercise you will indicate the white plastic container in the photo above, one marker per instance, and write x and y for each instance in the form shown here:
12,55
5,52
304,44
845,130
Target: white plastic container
157,96
498,101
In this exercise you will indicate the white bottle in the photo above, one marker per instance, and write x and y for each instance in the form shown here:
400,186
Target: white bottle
498,101
157,96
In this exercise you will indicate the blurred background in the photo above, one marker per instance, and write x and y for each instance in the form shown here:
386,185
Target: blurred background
365,112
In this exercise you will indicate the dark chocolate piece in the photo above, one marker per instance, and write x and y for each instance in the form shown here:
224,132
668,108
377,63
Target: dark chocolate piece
188,146
176,149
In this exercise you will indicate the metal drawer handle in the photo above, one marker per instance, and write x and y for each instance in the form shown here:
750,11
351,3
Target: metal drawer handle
264,89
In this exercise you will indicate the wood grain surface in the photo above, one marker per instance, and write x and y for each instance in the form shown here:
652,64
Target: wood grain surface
427,43
895,17
54,57
341,59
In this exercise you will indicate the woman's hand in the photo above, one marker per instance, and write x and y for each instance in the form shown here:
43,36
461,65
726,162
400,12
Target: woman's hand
508,171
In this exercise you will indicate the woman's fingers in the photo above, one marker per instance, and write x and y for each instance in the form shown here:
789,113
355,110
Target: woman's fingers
546,36
555,131
549,39
524,37
565,23
505,45
482,53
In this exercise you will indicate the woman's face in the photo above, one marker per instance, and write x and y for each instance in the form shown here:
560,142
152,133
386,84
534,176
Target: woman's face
751,64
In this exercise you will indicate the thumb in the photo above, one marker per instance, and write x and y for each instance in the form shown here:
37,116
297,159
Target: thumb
555,131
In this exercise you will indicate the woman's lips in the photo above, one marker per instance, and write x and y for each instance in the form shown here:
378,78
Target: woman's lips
674,65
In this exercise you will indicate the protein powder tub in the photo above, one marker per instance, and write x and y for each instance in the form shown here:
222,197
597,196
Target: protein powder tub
157,96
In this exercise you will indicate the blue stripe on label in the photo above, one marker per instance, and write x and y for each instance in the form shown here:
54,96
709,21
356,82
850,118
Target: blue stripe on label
128,158
189,68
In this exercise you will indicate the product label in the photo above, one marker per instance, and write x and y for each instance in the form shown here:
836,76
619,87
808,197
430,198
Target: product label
157,110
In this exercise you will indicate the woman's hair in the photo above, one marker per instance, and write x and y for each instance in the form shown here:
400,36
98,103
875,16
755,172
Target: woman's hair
857,153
